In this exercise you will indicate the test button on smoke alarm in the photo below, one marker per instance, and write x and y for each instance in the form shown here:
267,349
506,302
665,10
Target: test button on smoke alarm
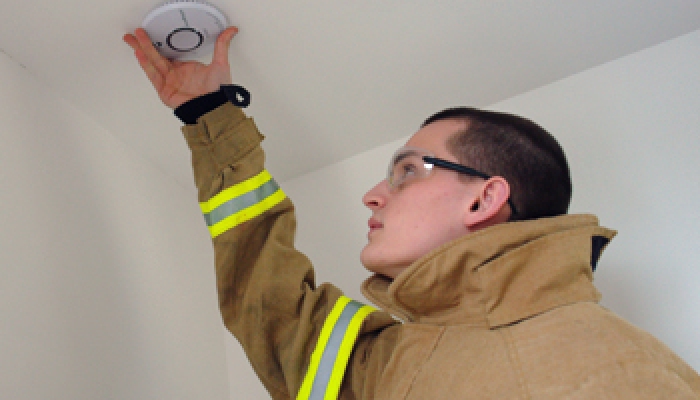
184,39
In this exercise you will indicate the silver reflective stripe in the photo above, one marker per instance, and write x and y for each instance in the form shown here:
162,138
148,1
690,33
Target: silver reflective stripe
330,358
330,353
241,202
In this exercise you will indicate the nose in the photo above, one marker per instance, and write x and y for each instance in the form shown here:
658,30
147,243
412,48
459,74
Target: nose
376,197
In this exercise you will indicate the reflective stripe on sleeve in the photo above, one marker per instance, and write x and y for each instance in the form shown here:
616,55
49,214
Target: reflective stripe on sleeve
335,343
240,203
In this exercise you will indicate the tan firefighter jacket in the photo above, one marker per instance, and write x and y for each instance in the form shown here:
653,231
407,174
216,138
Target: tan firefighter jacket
508,312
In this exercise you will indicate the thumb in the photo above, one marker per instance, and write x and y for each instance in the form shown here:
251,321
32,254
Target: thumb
222,44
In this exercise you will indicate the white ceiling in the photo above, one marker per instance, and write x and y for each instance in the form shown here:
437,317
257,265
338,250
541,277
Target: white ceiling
330,79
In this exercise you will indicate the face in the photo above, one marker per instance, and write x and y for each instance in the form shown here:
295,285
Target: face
410,221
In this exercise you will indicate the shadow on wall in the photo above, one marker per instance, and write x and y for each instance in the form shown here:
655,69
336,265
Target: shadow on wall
65,297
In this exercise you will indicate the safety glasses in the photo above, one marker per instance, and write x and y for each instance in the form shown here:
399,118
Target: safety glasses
411,164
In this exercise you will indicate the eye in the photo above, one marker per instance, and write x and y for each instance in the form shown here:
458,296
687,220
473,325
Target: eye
406,167
407,170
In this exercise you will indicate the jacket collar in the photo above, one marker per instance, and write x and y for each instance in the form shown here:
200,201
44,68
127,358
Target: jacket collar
498,275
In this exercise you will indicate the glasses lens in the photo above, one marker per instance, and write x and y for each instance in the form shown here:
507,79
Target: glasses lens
406,166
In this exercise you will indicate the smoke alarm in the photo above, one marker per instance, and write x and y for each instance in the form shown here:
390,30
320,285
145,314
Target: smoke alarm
184,29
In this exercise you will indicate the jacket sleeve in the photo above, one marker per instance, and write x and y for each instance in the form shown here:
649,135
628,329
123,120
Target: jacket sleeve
266,289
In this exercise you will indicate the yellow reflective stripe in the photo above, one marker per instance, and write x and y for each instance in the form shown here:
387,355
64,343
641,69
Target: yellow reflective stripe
247,214
241,202
330,358
235,191
341,361
326,330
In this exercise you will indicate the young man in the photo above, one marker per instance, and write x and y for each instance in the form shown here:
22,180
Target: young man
470,247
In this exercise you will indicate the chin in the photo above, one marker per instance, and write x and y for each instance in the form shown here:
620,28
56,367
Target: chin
382,267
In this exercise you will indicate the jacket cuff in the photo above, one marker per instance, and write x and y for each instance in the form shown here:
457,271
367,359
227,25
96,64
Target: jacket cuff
224,124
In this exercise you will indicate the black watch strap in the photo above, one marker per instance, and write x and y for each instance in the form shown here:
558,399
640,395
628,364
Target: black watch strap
190,111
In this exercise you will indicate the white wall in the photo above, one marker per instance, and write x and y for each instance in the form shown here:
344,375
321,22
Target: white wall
104,291
631,130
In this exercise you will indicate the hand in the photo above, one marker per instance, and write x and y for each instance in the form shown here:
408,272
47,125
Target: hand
180,81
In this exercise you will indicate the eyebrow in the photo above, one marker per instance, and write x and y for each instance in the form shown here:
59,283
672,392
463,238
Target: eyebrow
405,154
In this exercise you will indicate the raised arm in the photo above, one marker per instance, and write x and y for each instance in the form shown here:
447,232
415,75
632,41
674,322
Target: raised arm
267,294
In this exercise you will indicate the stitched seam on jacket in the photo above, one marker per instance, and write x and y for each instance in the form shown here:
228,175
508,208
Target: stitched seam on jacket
430,355
515,360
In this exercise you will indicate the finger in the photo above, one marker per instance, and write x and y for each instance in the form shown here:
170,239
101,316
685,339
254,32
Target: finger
222,45
144,62
135,45
131,41
160,63
156,78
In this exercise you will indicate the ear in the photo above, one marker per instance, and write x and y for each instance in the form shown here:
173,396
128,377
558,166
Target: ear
490,205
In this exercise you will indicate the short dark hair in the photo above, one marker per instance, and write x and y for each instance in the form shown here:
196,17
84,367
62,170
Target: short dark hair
517,149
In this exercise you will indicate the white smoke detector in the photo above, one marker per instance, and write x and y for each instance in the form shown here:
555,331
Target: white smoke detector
184,29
